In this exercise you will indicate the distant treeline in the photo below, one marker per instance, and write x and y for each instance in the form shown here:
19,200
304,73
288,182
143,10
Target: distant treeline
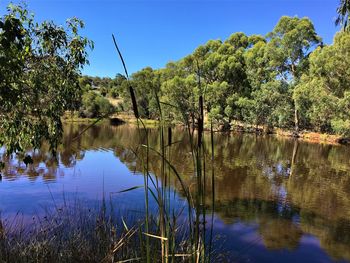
287,79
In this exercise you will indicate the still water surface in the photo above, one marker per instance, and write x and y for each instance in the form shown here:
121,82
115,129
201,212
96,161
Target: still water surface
276,200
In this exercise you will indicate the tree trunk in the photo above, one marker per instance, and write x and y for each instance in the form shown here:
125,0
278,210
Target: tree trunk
296,121
296,117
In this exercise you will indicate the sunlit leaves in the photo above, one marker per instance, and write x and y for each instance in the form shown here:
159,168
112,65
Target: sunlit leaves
39,69
343,11
323,94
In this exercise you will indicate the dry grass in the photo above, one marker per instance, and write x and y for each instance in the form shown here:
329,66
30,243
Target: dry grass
74,233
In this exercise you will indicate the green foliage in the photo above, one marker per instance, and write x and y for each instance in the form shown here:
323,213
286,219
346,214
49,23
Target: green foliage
267,81
107,87
324,92
94,105
115,87
290,42
343,11
146,84
287,79
39,69
216,95
257,65
270,106
181,92
341,126
287,52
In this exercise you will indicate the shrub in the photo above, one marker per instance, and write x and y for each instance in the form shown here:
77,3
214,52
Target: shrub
341,127
94,105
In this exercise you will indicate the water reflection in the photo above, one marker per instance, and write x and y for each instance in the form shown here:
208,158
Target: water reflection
288,191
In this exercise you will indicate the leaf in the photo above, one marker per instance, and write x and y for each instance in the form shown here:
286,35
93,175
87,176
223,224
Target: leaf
159,237
120,56
125,226
129,189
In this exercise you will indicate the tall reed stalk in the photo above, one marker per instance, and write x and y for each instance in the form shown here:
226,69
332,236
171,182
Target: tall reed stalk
197,249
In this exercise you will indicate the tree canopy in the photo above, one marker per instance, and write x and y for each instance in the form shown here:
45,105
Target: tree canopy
39,68
324,91
287,79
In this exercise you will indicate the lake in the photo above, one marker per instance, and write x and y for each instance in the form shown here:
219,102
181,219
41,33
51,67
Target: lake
276,199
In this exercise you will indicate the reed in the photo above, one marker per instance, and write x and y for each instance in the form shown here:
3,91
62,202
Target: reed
197,249
71,232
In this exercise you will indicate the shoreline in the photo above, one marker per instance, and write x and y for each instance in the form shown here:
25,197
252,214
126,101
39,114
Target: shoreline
307,136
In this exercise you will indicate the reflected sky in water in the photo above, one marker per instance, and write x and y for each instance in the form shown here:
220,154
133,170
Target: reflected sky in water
276,200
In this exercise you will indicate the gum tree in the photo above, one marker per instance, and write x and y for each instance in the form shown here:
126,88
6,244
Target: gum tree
343,11
324,91
39,69
290,43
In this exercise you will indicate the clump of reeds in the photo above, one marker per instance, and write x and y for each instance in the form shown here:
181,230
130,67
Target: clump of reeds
67,234
198,248
75,233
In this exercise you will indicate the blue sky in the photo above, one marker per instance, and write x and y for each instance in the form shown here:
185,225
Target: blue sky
152,33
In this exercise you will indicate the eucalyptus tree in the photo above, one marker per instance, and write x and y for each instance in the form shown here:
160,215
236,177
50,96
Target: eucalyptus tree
146,83
233,72
221,67
269,103
255,79
39,69
343,11
181,96
324,91
257,64
287,51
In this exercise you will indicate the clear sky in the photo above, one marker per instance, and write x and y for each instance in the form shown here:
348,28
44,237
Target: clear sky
152,33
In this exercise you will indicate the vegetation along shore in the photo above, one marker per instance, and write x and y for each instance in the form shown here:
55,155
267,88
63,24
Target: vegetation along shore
180,178
287,80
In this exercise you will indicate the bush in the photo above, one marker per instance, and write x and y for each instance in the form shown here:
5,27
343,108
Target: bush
94,105
113,92
341,127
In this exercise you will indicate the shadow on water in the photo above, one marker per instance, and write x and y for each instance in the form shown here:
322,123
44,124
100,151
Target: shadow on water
285,194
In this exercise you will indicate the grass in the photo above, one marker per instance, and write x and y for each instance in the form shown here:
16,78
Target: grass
66,235
130,118
73,117
125,117
75,233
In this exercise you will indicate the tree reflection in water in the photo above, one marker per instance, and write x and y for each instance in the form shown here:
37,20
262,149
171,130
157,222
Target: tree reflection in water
289,188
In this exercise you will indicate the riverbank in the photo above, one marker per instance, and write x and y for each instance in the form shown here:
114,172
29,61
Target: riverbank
315,137
73,117
114,118
308,136
304,135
